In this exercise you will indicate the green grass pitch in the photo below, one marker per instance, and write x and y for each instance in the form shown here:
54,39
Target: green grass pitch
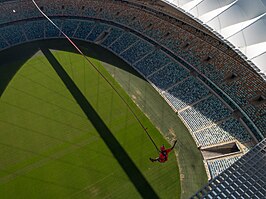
65,133
49,148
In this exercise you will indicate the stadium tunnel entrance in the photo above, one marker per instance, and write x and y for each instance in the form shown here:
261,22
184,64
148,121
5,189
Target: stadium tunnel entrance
221,150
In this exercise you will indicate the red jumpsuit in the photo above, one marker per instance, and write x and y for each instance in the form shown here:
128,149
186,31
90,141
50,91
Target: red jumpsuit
163,157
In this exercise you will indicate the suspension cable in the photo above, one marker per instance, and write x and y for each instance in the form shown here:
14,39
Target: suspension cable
99,72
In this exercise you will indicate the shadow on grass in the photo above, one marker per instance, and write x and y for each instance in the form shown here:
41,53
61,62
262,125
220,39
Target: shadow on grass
15,57
10,62
134,174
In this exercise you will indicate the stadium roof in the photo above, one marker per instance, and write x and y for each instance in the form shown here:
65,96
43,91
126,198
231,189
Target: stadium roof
241,22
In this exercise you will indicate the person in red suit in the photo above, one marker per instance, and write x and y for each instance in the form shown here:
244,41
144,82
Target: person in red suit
163,156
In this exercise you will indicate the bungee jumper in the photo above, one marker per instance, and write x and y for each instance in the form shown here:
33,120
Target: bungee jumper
163,156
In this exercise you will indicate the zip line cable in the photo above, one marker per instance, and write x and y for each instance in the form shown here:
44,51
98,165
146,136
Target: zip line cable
99,72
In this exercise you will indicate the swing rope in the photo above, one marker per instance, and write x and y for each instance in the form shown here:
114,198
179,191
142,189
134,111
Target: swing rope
99,72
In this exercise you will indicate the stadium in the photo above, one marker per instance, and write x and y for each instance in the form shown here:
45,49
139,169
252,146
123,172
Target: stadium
90,89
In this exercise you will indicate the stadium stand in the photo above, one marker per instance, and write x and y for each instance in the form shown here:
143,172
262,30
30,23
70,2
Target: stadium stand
13,34
50,30
125,16
228,130
112,36
98,29
137,51
137,22
186,92
34,30
90,10
169,75
219,165
84,28
3,43
69,27
165,50
258,115
123,42
204,113
152,62
106,14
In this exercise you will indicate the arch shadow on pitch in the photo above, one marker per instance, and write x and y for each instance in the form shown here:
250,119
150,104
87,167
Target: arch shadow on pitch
132,171
11,60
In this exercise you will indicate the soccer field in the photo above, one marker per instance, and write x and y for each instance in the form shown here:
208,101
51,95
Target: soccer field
65,133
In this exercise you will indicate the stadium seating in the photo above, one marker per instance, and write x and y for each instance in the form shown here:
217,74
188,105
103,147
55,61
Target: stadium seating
84,28
152,62
91,10
137,51
173,42
54,9
168,75
109,12
185,93
258,115
219,165
204,113
69,27
123,42
72,8
13,34
3,43
34,30
125,17
12,12
113,35
228,130
96,32
50,30
142,21
156,35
